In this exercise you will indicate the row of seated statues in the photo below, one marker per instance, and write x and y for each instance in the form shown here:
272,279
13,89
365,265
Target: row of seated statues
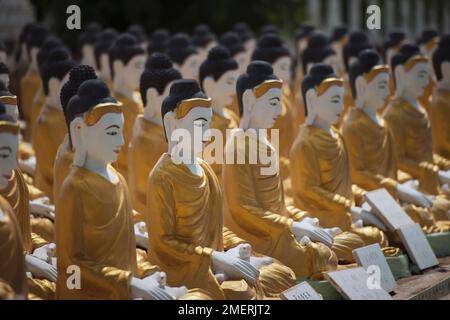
99,200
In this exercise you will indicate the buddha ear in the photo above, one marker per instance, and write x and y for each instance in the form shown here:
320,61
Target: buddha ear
151,94
311,96
53,85
169,124
248,103
208,85
360,86
77,128
399,73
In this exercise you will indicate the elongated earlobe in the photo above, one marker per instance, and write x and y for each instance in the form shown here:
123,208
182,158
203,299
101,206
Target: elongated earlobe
360,86
248,103
310,100
79,144
169,124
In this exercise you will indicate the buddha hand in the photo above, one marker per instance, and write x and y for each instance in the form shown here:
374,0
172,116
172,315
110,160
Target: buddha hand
42,207
367,217
315,233
234,267
244,252
410,195
444,177
46,253
141,234
149,288
40,268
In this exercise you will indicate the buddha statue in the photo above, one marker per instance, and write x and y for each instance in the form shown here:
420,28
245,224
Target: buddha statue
232,41
104,42
357,42
338,39
94,228
440,104
271,49
184,54
410,125
254,206
50,128
320,167
393,42
301,38
86,43
14,192
148,142
428,43
371,149
64,155
4,74
127,60
51,43
218,75
184,212
31,81
247,36
204,39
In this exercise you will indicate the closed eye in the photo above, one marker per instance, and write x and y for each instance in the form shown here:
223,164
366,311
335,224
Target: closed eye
112,133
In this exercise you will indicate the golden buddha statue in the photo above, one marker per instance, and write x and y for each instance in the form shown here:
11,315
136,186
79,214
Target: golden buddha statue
50,128
149,133
320,168
371,148
127,59
428,43
94,226
413,138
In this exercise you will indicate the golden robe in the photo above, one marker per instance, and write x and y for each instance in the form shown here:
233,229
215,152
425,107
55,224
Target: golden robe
131,109
62,165
411,131
255,211
36,107
184,222
222,123
234,106
322,184
16,193
94,231
439,113
29,85
12,266
145,149
49,133
373,160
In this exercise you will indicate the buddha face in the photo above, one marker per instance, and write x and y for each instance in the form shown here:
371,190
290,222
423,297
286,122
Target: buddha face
194,124
9,143
54,90
328,106
249,46
189,68
154,101
265,110
242,58
104,139
416,79
5,78
223,90
132,71
282,69
374,93
87,52
301,44
333,61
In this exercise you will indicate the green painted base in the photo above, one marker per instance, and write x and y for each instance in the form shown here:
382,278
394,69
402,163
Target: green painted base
399,266
440,243
325,288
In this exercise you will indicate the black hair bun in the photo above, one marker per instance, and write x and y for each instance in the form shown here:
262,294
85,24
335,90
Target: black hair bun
159,61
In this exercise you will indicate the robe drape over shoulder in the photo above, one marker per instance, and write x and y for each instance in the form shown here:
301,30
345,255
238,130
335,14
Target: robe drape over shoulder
184,222
49,132
131,109
12,263
439,112
411,131
145,149
62,165
255,211
94,231
322,184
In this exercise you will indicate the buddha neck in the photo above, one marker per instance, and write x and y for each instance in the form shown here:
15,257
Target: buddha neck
412,100
53,102
220,110
100,168
372,114
189,160
324,125
121,87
